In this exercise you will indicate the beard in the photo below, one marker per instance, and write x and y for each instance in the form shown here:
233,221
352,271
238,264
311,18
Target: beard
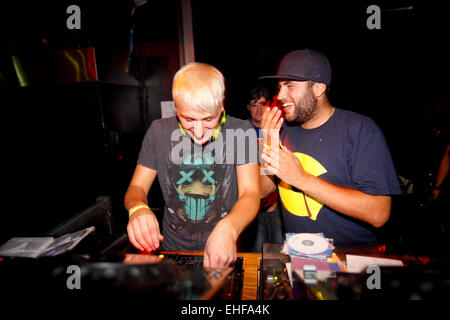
305,108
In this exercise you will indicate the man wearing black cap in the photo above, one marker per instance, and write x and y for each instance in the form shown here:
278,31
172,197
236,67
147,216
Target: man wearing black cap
333,168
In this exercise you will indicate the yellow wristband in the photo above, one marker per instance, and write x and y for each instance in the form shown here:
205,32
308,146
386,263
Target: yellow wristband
134,209
268,147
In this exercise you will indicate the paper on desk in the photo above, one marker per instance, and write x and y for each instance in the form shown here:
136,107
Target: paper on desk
357,264
25,247
34,247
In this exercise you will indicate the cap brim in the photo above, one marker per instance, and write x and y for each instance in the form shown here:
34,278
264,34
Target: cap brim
284,76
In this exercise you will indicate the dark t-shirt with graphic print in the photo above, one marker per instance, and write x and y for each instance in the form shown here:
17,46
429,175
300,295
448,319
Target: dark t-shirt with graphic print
348,150
199,183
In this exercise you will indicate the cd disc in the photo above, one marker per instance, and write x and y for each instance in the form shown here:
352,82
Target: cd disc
308,243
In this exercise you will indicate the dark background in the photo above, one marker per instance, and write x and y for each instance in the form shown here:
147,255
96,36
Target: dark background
64,144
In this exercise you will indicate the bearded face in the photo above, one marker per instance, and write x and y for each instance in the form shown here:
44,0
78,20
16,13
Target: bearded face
304,108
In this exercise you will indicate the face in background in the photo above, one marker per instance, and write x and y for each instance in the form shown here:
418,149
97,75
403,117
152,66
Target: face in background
200,125
298,101
256,109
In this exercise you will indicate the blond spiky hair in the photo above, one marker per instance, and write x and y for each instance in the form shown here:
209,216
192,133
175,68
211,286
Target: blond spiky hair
200,86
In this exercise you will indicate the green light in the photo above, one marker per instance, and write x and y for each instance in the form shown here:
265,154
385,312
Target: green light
75,64
19,71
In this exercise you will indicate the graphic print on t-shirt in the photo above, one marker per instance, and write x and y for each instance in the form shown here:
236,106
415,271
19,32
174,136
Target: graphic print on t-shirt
196,186
195,204
296,201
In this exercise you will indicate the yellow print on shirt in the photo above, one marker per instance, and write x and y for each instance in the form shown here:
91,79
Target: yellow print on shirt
296,201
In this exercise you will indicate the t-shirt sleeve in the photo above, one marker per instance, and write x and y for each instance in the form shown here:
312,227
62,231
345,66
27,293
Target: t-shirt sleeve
371,167
147,155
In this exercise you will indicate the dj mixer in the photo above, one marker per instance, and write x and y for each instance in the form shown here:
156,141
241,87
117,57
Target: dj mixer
232,282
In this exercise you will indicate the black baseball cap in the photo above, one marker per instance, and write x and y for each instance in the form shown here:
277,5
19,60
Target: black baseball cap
303,65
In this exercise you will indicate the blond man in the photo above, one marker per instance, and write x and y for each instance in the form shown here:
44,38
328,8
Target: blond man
211,193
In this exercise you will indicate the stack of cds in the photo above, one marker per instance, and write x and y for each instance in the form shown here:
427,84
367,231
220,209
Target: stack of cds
308,245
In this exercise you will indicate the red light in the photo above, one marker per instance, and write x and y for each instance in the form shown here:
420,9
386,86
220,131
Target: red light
381,249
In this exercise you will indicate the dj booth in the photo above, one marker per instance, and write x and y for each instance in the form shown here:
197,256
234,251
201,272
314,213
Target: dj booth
106,263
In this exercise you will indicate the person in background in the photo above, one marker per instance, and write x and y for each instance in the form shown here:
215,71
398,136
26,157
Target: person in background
440,200
441,186
267,228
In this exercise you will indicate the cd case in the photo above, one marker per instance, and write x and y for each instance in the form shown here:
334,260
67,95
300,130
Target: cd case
326,246
35,247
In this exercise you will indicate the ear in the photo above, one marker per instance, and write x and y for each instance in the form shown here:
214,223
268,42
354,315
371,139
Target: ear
319,89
